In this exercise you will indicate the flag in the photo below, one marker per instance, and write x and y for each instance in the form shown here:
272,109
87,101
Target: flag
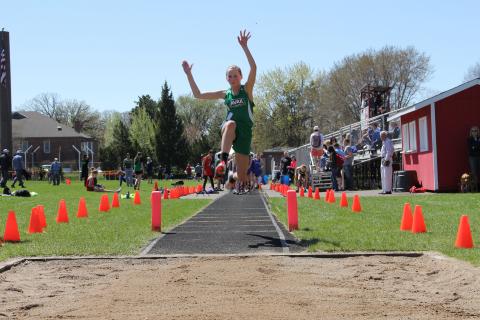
3,66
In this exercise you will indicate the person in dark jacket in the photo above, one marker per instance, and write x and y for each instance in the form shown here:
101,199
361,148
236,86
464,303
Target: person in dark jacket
5,163
84,169
332,154
474,153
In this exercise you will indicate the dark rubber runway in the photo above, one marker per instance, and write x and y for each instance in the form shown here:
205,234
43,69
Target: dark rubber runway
231,224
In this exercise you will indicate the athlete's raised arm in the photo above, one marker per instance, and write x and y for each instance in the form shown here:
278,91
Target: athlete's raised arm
196,92
242,40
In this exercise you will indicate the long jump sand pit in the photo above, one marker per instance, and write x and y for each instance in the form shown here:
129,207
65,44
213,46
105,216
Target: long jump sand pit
260,287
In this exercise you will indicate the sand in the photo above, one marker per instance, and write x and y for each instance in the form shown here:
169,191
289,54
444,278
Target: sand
243,288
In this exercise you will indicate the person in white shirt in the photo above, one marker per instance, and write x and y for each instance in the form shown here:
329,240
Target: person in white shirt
386,165
316,144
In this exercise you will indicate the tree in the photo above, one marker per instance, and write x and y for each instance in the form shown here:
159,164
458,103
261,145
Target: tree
285,100
473,72
202,120
48,104
116,141
404,70
172,147
142,133
148,104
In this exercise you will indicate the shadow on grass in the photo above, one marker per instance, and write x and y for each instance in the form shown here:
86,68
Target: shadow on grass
313,241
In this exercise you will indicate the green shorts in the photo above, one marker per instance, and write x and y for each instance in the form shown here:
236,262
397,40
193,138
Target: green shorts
243,139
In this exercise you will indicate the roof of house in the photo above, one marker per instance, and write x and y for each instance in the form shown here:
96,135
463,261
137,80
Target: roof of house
436,98
30,124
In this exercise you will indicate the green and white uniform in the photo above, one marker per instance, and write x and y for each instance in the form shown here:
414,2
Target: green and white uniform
240,110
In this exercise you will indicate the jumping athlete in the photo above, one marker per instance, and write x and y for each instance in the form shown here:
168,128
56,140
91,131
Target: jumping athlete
237,128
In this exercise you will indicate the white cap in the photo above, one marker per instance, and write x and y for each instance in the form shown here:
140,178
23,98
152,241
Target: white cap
5,151
315,128
19,151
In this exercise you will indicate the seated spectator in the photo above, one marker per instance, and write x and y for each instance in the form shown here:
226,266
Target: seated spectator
394,132
92,184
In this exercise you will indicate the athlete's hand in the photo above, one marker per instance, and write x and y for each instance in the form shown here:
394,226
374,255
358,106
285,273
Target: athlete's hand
243,38
187,67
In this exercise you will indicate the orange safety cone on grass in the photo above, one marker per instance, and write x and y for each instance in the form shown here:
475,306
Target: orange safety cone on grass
407,218
356,206
344,200
35,225
41,216
115,201
309,194
155,186
327,195
464,234
11,233
302,192
62,215
82,211
165,193
104,203
418,225
136,198
332,199
317,194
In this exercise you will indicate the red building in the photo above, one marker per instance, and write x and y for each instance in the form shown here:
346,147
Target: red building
434,135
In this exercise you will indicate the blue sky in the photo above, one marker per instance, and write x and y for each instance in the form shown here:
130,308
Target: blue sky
110,52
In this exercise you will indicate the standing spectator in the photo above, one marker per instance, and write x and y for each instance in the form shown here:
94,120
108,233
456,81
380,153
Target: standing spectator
386,165
291,168
5,163
84,169
285,164
474,153
198,172
138,169
188,171
17,163
375,136
128,168
56,169
348,165
316,144
149,168
334,166
394,132
207,163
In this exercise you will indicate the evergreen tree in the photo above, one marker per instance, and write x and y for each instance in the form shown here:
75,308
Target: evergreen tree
146,103
172,147
142,133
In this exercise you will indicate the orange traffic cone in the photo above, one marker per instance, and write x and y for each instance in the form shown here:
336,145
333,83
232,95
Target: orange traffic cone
104,203
82,208
464,235
302,192
332,199
68,181
310,192
35,225
165,193
11,233
115,201
418,224
327,195
407,218
356,206
344,201
317,194
62,215
155,186
136,198
41,215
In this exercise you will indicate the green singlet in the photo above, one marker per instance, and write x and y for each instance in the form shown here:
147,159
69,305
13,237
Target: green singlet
240,110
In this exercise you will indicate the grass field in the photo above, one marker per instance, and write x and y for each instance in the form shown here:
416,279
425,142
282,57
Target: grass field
328,227
120,231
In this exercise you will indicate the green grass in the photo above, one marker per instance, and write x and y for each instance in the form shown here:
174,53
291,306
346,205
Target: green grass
328,227
125,230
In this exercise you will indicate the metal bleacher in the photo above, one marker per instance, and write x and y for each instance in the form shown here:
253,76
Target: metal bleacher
365,154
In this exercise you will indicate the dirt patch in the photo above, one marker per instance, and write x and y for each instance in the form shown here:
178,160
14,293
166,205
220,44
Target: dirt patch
243,288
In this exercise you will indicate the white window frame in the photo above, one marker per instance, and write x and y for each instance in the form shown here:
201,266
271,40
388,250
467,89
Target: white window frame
47,143
412,135
405,139
423,134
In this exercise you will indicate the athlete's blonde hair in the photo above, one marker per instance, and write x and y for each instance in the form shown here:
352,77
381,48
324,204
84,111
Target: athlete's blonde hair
234,67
